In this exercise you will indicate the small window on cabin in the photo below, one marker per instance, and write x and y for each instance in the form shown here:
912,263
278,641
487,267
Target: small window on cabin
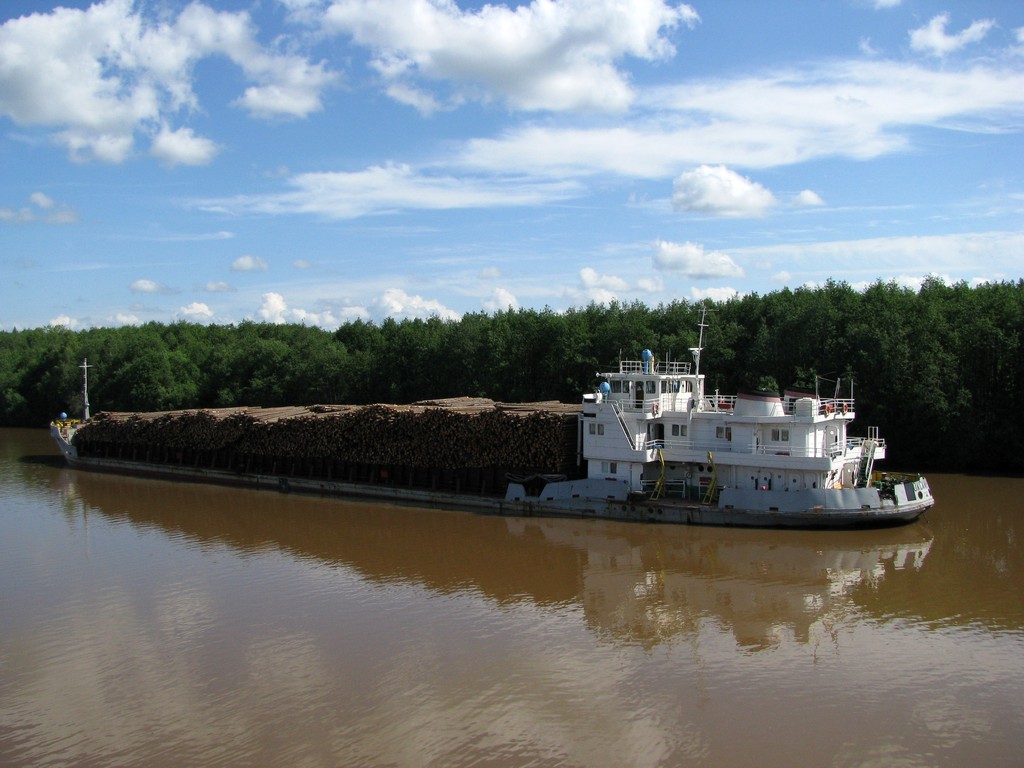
664,386
610,467
600,429
652,387
675,430
723,433
593,428
780,435
678,430
616,386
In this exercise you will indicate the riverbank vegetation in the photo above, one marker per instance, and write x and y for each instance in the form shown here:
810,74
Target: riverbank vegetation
939,370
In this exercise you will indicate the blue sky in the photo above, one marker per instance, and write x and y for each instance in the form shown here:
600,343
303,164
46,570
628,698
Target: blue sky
319,161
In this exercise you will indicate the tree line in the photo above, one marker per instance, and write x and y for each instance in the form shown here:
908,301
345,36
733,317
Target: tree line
939,370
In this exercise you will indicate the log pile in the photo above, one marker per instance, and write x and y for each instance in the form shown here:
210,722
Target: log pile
452,433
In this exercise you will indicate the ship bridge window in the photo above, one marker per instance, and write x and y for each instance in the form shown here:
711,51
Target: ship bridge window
678,430
596,429
652,387
723,433
616,385
780,435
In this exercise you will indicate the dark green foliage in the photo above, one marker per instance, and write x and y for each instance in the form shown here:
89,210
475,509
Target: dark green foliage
939,370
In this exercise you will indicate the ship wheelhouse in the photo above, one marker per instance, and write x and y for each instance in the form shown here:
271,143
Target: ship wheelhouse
652,425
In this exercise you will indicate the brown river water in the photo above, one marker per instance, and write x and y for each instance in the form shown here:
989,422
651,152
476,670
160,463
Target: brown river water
152,623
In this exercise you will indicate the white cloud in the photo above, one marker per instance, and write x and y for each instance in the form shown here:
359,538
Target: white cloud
718,191
500,300
41,200
714,294
865,47
100,75
65,321
591,278
150,286
196,312
384,189
293,89
302,264
604,288
217,286
855,108
124,318
249,263
808,198
398,304
275,309
932,37
542,55
601,288
871,258
42,209
182,146
692,261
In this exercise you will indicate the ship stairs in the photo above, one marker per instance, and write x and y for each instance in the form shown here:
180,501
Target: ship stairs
867,463
631,439
712,493
659,486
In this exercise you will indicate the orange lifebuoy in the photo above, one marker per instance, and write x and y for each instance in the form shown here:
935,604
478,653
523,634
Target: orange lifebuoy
846,408
828,409
654,409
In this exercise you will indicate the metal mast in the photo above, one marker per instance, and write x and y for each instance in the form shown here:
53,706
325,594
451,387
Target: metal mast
695,351
85,385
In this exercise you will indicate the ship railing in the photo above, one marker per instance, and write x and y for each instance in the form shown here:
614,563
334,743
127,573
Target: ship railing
672,488
854,444
660,367
840,406
857,442
647,405
675,446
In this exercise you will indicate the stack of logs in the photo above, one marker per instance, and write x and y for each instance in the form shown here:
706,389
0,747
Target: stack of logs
452,433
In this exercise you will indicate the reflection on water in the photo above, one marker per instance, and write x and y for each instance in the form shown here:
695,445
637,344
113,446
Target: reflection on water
162,623
636,584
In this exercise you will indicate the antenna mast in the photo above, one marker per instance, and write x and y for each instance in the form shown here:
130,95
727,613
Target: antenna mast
695,351
85,386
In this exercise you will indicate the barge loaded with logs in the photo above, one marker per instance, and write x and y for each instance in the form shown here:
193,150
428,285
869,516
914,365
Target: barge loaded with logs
649,444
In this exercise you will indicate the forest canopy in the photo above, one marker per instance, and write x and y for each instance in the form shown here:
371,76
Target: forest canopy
939,370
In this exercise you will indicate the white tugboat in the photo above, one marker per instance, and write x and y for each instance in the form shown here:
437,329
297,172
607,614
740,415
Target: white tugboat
659,447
